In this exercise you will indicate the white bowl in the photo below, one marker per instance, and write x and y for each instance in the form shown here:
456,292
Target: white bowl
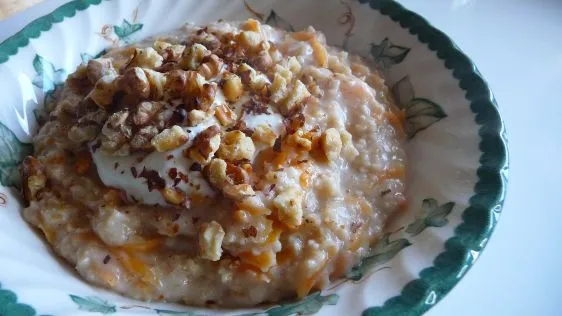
457,150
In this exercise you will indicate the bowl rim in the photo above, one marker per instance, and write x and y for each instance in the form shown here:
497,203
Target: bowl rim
478,219
482,214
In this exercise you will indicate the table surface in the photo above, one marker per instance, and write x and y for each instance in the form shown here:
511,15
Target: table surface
517,45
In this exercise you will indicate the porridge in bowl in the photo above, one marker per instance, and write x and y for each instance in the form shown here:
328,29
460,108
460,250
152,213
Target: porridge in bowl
231,164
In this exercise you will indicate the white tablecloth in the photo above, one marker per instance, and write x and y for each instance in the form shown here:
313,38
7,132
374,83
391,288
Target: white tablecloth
517,45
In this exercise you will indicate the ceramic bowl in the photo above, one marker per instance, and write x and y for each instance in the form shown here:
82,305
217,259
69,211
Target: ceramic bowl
456,147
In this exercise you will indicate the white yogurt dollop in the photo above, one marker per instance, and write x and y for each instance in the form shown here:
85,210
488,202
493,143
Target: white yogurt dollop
119,172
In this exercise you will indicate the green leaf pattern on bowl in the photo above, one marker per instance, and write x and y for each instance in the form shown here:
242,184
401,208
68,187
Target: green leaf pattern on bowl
126,29
12,154
385,54
433,216
9,305
93,304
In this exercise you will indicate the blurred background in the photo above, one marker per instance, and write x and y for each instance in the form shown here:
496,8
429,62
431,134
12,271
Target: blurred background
517,46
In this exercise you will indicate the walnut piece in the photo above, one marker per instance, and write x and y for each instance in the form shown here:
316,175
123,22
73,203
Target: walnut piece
196,116
192,56
210,240
210,67
146,111
104,90
225,115
205,145
174,196
135,82
265,135
33,178
236,146
98,68
83,133
217,173
297,95
331,143
289,206
146,58
170,138
142,139
232,87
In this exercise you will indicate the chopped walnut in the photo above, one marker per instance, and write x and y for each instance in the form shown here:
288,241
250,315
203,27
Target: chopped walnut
225,115
135,82
223,175
217,173
83,133
174,196
250,40
196,116
293,65
251,25
262,61
236,146
170,138
331,143
115,134
232,87
238,192
297,95
289,206
192,56
255,80
104,90
146,58
210,67
33,178
169,52
142,139
278,88
98,68
300,140
157,81
210,41
205,145
348,150
206,97
146,111
210,240
198,94
264,134
176,84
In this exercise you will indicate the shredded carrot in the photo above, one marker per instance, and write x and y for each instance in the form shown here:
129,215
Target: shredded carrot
275,233
109,278
397,121
133,265
264,260
143,246
308,283
50,234
82,163
319,52
303,36
305,179
196,199
251,25
285,255
393,173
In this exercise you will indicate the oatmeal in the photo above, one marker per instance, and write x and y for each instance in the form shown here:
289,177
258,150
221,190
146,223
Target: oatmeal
231,164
